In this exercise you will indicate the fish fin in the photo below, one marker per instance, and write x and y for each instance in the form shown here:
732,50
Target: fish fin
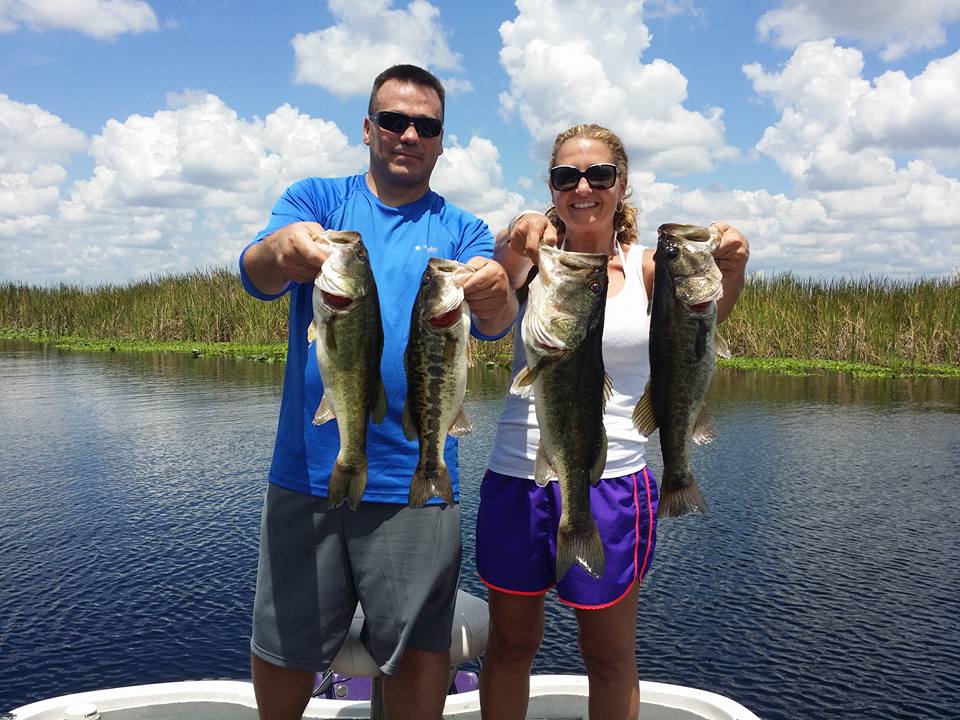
422,487
462,425
583,548
680,496
522,384
644,419
543,470
347,483
378,410
469,353
723,349
704,430
597,470
324,412
409,429
607,389
311,331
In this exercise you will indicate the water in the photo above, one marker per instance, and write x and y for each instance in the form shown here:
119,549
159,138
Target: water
824,584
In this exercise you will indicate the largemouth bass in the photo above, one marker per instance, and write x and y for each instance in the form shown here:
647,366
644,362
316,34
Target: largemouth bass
436,361
562,332
349,344
683,317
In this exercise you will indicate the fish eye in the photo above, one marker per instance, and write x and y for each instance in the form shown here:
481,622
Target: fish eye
595,287
672,251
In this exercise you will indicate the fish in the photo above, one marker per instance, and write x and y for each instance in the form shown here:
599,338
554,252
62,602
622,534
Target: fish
561,331
435,361
683,347
349,345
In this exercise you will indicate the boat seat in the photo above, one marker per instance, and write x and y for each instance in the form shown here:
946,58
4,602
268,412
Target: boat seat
469,637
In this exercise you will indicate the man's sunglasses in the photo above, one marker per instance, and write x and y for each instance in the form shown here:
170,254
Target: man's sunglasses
601,176
398,123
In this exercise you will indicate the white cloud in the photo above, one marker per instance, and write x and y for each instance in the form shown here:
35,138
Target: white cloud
893,26
571,62
471,178
102,19
180,189
371,36
31,136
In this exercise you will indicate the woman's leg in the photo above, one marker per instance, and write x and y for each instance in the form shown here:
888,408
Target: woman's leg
608,639
516,630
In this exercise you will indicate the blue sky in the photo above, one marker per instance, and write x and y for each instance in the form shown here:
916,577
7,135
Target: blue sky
140,137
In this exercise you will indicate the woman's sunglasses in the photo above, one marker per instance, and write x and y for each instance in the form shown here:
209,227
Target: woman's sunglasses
398,123
601,176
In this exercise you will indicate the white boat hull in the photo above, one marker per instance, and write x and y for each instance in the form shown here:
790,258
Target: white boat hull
552,697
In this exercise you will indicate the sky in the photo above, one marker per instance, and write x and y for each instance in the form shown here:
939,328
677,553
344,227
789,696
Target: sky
143,138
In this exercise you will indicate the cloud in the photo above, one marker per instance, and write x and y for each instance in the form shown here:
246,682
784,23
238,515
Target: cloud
896,28
371,36
869,156
567,65
471,178
102,19
180,189
30,136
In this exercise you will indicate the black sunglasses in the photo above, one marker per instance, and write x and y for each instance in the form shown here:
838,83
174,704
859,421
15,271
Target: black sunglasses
601,176
398,123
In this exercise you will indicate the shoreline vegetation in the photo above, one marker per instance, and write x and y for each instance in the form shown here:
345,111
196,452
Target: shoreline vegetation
871,327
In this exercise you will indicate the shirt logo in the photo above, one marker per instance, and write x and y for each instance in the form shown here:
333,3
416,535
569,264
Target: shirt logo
427,248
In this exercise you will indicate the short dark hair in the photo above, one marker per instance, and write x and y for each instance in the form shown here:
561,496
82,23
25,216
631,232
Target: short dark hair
408,74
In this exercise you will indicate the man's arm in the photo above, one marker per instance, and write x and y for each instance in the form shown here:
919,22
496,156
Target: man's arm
286,255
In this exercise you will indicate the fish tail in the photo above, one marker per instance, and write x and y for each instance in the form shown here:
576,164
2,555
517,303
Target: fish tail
583,547
680,496
426,485
347,482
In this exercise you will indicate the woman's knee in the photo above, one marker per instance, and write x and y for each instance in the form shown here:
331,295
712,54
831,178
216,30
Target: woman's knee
516,630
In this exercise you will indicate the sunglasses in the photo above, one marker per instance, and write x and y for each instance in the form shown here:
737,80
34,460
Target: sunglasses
398,123
600,176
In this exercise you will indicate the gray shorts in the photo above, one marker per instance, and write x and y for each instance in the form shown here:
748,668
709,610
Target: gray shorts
402,564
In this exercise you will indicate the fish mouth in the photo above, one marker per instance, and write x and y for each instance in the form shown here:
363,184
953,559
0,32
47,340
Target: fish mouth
336,302
701,309
446,319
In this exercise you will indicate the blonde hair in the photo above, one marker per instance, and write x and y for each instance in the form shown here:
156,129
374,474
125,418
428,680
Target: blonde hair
625,218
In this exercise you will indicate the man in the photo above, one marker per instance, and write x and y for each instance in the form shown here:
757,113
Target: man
402,563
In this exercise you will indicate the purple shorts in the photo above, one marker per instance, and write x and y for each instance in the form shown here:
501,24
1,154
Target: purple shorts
517,537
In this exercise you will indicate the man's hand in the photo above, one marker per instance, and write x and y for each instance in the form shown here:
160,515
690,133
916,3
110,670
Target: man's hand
288,254
492,301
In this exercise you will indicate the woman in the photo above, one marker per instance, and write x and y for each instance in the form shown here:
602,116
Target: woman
517,520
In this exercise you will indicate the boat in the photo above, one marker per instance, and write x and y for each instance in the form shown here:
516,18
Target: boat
552,697
350,689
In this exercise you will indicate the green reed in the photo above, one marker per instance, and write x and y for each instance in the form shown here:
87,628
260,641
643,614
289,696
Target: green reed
869,320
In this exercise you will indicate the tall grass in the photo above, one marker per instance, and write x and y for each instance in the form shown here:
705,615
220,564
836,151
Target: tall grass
870,320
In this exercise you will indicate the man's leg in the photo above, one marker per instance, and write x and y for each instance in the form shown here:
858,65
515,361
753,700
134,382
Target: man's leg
418,690
282,693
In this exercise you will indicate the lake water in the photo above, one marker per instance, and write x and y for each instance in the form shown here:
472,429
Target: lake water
824,584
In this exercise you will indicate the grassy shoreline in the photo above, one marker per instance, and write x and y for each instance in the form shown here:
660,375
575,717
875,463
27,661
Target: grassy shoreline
277,352
864,327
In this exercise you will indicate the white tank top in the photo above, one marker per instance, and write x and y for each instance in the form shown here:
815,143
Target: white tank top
626,359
